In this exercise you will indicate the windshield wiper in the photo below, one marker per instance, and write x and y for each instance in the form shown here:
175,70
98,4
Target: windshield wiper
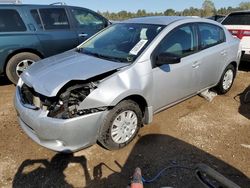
116,59
89,53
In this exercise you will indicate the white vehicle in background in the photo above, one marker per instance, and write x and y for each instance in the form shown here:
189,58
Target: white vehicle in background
238,23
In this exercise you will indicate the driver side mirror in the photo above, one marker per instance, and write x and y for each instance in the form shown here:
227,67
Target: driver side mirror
167,58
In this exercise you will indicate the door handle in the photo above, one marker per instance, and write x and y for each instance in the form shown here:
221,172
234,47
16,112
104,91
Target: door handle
83,35
196,64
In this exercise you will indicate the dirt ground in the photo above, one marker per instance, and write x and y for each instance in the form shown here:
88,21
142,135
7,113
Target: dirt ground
216,133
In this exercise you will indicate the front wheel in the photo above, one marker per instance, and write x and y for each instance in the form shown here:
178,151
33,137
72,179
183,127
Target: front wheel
226,80
121,125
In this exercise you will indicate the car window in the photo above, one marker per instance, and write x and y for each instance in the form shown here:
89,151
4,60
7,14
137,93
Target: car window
37,19
237,19
54,18
85,18
210,35
179,42
10,21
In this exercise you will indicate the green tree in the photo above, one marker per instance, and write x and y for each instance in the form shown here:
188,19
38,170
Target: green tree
222,11
194,11
186,12
208,8
169,12
141,13
122,15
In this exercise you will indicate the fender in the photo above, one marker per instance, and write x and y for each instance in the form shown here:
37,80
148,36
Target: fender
120,86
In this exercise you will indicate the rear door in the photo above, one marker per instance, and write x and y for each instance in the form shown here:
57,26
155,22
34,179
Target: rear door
213,50
54,30
15,33
86,22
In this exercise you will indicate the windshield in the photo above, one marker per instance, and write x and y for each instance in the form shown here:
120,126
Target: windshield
237,19
121,42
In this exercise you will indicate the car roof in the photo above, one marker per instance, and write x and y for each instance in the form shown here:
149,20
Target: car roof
157,20
240,11
36,5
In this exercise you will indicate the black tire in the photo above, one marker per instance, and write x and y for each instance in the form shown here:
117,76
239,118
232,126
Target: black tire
105,138
14,61
219,88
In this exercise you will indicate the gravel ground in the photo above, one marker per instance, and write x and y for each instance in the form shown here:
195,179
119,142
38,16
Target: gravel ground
216,133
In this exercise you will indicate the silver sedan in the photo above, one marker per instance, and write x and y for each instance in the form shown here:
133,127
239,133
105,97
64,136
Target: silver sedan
113,83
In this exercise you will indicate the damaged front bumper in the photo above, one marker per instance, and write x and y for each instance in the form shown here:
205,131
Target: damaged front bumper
62,135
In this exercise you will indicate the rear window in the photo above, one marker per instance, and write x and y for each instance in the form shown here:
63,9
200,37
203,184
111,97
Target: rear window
211,35
10,21
237,19
36,17
54,18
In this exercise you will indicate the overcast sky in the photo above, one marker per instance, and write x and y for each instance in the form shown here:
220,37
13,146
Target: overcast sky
134,5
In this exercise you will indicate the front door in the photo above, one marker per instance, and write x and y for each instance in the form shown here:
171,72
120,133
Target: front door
87,23
173,82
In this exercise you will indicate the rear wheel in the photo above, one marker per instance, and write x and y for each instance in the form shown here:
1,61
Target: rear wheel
19,63
226,80
121,125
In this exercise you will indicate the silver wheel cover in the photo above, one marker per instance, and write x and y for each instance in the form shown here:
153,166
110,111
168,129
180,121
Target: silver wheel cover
228,79
124,126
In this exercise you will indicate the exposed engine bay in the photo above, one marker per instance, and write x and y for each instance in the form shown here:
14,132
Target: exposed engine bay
65,105
68,102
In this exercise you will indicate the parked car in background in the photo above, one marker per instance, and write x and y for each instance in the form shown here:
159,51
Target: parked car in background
216,17
238,23
114,82
29,33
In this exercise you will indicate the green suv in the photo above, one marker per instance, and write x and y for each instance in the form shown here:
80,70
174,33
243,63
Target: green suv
29,33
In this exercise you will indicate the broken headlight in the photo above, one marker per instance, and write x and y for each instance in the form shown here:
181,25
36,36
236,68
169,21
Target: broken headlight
66,106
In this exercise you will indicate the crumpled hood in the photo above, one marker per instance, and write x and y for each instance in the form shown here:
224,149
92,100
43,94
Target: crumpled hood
48,76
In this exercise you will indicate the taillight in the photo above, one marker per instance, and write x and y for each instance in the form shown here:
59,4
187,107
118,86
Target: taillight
246,33
240,33
234,32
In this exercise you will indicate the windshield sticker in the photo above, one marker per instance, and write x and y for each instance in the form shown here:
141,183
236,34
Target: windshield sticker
137,48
